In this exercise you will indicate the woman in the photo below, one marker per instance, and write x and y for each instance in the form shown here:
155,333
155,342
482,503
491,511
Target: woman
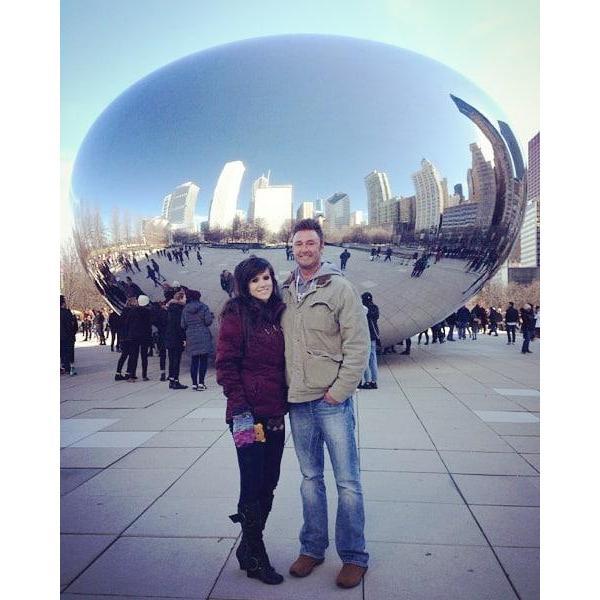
195,321
250,367
174,338
124,338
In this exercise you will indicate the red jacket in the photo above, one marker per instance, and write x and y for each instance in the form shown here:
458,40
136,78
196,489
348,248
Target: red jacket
252,378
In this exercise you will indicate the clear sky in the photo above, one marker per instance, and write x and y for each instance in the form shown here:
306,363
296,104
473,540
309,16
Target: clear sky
107,45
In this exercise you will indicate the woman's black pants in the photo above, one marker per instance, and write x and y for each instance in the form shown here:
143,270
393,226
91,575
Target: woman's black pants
260,465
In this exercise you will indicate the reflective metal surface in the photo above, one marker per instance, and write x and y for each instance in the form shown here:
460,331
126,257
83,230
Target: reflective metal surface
318,113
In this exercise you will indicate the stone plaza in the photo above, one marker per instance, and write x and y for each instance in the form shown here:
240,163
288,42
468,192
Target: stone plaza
449,455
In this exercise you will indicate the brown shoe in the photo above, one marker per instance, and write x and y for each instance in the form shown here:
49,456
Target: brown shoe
304,565
350,575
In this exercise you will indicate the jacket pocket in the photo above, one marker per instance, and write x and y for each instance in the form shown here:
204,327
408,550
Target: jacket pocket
320,317
321,370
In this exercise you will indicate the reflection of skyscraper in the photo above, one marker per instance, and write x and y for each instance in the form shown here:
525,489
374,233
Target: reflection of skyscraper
378,192
319,210
408,212
484,186
458,191
429,196
357,218
337,211
225,197
305,211
273,205
261,182
179,206
513,146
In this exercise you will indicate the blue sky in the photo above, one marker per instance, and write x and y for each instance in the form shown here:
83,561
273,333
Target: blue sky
108,45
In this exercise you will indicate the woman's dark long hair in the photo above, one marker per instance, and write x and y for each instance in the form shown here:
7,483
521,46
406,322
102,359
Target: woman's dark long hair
254,313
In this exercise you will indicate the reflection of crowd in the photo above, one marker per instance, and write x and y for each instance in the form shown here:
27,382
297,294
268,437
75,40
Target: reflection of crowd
479,320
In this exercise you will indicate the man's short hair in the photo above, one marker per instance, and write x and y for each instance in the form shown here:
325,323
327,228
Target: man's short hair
308,225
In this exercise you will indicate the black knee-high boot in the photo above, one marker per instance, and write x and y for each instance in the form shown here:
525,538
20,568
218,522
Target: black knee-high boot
251,553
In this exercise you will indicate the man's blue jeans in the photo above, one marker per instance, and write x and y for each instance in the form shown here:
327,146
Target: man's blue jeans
314,424
370,374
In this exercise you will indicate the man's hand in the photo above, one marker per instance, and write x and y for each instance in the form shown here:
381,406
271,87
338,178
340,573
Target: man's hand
329,398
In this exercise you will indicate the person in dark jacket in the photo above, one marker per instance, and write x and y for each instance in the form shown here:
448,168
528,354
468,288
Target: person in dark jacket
68,330
140,338
99,326
195,321
156,269
250,366
437,332
159,327
175,338
113,325
451,322
124,336
344,256
527,327
369,381
132,290
151,275
227,282
511,318
495,317
463,317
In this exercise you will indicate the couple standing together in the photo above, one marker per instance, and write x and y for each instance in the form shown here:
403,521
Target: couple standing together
304,351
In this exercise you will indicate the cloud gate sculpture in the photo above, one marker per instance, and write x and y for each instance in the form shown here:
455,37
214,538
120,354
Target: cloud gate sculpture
286,126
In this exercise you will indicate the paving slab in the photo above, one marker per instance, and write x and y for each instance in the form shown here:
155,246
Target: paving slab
77,552
523,444
421,523
99,458
183,439
409,487
100,514
486,463
72,478
415,461
167,458
504,490
73,430
115,439
522,565
129,482
432,572
174,516
510,525
533,460
156,566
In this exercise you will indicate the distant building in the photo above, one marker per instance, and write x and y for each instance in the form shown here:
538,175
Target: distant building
319,208
460,216
337,211
155,232
179,206
241,214
273,205
305,211
389,212
429,197
261,182
378,193
357,218
407,208
530,230
533,167
225,197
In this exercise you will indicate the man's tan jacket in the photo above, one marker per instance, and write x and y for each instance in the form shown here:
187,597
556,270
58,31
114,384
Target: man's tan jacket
326,334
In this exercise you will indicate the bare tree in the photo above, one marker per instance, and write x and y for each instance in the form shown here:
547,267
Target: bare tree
116,229
75,284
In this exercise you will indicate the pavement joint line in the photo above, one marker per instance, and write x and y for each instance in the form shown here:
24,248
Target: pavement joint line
512,585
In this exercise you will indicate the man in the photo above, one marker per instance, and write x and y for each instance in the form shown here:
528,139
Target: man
388,255
326,351
511,318
344,256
